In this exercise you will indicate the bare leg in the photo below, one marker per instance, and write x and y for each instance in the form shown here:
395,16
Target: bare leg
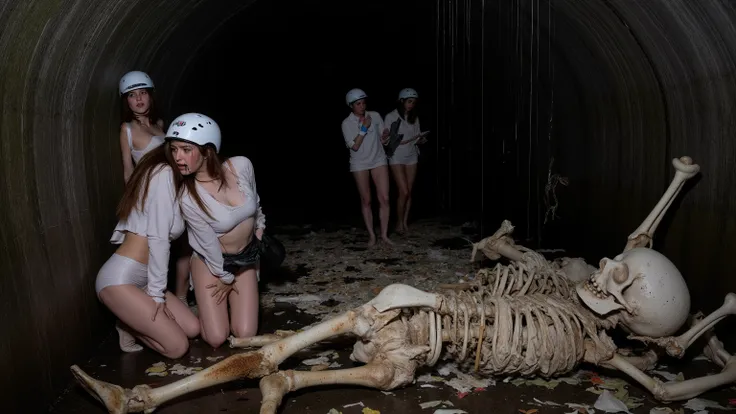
135,308
212,317
411,175
362,180
380,178
274,387
399,174
244,305
184,252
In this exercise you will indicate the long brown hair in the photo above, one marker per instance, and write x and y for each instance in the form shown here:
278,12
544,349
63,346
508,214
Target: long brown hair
140,179
127,114
212,162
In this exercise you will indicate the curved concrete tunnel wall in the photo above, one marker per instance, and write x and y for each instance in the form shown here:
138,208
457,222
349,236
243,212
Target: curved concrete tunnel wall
668,92
61,62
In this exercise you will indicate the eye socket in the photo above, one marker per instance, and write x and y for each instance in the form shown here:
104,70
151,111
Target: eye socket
621,274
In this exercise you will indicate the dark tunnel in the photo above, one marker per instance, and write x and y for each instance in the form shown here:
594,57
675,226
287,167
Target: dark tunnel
603,92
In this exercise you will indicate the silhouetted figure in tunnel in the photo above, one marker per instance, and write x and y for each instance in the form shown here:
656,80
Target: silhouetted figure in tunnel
405,158
222,210
142,127
132,283
365,135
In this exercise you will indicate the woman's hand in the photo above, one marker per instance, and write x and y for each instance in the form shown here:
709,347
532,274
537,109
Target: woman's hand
259,234
221,290
366,121
161,306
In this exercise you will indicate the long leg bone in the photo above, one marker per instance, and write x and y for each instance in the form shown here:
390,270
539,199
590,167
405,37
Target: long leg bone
677,345
274,387
361,321
258,341
674,391
643,235
255,364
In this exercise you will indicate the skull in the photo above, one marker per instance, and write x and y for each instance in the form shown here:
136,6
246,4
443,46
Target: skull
644,286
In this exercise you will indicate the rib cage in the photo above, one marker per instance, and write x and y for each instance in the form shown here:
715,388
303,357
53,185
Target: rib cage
532,275
523,335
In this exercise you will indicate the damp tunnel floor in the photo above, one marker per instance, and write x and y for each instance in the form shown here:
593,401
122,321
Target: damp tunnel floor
437,249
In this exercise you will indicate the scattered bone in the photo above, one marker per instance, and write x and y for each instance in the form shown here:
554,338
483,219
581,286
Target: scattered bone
215,359
359,403
278,313
449,411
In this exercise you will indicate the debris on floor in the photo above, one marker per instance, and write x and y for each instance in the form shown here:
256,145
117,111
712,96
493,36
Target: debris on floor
327,272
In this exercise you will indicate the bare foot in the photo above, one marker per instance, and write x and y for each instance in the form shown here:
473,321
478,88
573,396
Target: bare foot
387,240
371,241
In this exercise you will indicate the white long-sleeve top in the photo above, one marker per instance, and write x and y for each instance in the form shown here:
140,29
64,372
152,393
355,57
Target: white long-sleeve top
204,232
370,154
159,220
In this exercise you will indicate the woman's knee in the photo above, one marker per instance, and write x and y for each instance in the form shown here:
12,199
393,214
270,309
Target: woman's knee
383,199
214,339
365,201
177,348
244,330
191,328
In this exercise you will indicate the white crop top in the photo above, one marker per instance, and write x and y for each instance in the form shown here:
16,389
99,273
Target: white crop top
204,232
161,221
156,140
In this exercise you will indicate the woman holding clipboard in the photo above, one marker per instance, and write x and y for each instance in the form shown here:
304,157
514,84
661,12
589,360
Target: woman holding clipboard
405,157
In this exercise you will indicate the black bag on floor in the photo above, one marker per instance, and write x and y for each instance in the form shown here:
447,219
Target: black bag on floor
273,252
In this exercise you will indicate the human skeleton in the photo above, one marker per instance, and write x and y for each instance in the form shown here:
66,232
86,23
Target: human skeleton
531,317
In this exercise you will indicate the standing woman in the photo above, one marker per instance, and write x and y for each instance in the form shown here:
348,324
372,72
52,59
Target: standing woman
364,134
141,130
405,159
225,224
132,283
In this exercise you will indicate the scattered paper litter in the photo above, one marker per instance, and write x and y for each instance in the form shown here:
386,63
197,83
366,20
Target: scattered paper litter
158,369
610,404
698,404
449,411
279,314
463,382
360,403
214,359
368,410
551,403
580,408
334,411
432,404
180,369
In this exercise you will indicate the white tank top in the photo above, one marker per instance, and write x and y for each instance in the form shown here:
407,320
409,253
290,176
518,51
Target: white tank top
156,140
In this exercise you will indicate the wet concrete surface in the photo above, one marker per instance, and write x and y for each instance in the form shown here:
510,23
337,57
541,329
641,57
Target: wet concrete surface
433,386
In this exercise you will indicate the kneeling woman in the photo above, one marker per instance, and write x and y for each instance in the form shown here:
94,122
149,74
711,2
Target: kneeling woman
222,211
132,283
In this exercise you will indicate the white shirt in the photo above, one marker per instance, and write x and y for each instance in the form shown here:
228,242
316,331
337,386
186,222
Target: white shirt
370,154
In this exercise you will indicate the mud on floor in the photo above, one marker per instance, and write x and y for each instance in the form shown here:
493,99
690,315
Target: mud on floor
329,270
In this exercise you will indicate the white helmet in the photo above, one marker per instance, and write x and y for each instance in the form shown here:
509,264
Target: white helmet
353,95
408,93
134,80
195,128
